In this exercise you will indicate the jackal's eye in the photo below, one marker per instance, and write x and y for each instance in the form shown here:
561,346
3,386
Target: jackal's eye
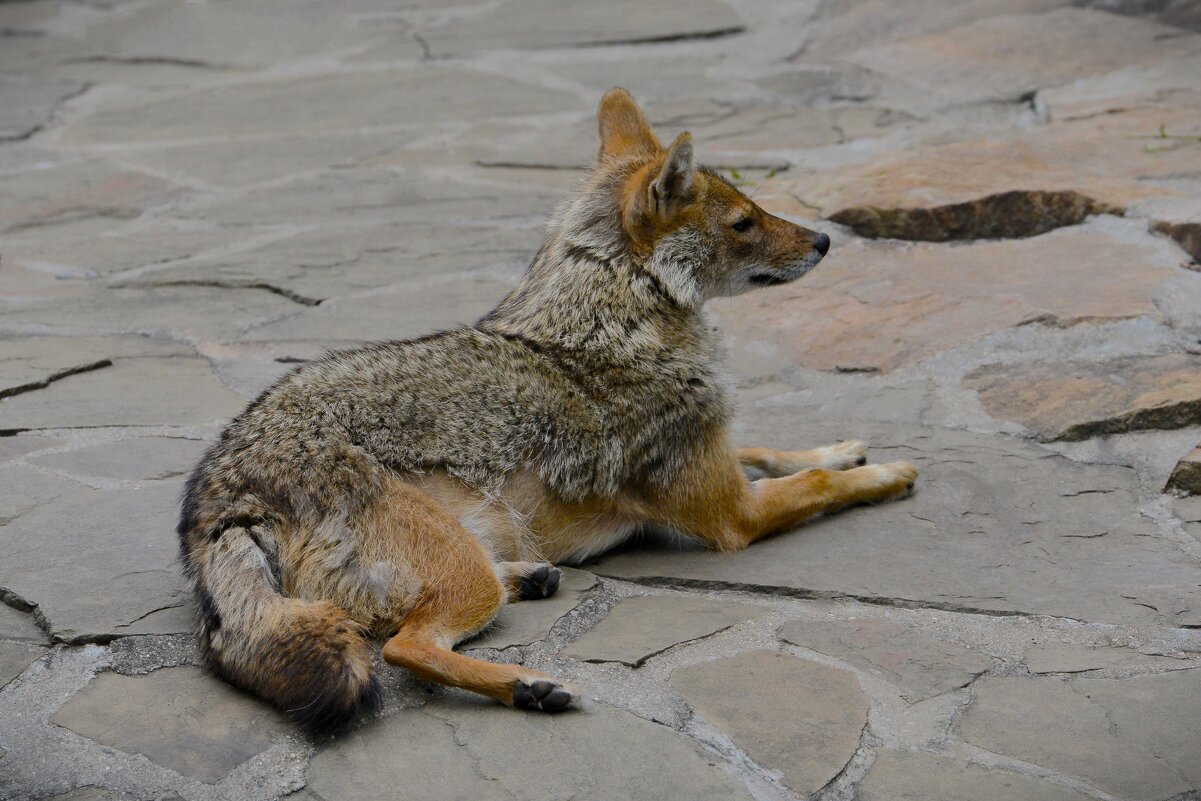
744,224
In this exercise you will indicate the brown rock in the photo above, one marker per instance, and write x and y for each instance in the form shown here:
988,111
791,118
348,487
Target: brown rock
1187,235
1186,477
1078,401
881,305
790,715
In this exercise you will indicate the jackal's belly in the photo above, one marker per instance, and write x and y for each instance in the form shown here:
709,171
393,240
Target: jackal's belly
525,523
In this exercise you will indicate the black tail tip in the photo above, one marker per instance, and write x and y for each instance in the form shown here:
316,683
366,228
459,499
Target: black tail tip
331,714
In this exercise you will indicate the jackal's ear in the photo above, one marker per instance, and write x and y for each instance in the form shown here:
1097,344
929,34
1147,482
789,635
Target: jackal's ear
673,185
623,127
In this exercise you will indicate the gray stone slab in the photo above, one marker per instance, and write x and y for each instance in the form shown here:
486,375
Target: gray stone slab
19,626
919,665
100,564
29,101
996,524
1126,737
506,25
528,622
132,392
429,97
182,718
919,776
141,459
415,310
790,715
641,627
23,488
470,752
28,363
1068,658
15,657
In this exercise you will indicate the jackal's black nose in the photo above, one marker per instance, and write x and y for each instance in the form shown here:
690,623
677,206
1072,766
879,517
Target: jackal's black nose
822,243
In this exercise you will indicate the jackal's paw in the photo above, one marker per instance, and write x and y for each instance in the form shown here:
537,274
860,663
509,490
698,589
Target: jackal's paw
842,455
895,480
542,695
541,582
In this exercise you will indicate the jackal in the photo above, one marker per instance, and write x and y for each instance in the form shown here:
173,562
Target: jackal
407,490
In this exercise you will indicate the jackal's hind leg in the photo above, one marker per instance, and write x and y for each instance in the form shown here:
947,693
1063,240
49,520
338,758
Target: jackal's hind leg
528,581
775,464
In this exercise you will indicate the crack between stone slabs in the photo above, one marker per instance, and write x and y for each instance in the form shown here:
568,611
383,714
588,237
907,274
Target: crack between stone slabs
140,60
295,297
148,614
643,660
12,599
12,432
41,126
863,747
693,36
670,582
58,376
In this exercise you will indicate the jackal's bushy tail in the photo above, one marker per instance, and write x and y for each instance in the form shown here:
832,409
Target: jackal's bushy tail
309,659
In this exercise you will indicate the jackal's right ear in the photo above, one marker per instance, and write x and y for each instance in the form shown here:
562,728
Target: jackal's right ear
623,127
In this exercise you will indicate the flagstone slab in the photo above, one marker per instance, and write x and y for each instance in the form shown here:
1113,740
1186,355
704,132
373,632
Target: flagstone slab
505,25
1003,57
921,666
118,545
1077,401
794,716
995,525
644,626
1055,657
322,103
920,776
527,622
130,392
1122,736
469,751
15,657
182,718
880,305
140,459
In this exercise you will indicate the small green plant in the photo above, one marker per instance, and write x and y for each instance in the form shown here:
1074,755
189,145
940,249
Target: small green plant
1173,142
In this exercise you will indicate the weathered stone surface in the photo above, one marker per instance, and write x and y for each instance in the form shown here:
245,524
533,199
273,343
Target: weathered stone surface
641,627
1005,56
1186,476
319,104
918,776
1078,401
1068,658
117,545
19,626
29,363
790,715
15,657
64,192
141,459
1121,736
529,621
881,305
506,25
28,103
973,536
182,718
1187,235
918,664
147,391
475,751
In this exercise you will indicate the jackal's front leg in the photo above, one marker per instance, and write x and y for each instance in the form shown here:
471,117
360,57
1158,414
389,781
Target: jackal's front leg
716,503
770,462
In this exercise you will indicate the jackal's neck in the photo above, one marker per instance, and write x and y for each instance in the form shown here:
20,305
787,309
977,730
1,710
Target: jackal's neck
583,292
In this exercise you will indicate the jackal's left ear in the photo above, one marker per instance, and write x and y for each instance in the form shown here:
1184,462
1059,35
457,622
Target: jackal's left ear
673,185
623,127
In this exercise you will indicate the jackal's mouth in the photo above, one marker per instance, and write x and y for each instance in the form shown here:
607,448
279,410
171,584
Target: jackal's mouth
773,279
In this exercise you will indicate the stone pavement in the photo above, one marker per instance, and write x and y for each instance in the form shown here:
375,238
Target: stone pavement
194,196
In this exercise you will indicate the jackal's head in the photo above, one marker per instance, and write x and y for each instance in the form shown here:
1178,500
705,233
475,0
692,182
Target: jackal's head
689,226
